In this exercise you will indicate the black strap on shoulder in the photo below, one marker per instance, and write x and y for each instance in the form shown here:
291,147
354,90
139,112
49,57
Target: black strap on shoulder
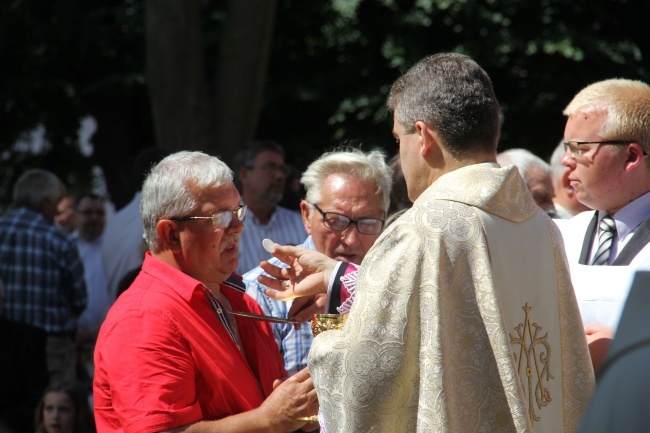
335,294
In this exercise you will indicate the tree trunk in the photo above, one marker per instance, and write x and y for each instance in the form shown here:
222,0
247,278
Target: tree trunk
189,110
175,72
242,72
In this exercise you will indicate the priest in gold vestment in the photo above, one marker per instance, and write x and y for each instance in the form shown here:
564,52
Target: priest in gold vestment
464,318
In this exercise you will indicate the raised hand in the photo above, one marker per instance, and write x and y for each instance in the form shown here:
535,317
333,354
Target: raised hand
309,273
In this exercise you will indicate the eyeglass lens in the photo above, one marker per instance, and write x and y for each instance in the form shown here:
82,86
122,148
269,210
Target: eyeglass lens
368,226
223,219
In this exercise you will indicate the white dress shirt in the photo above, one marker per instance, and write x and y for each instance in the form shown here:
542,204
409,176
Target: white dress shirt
123,243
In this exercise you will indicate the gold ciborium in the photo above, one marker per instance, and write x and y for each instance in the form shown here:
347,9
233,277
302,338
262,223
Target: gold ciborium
320,323
325,322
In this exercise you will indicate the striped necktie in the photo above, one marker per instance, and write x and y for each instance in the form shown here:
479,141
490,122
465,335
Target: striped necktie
607,229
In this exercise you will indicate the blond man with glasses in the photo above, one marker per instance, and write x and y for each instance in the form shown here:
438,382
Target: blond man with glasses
606,140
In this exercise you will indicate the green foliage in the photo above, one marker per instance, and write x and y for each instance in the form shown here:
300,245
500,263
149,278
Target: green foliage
332,64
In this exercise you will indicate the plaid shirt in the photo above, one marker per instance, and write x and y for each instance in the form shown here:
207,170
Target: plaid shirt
41,271
294,344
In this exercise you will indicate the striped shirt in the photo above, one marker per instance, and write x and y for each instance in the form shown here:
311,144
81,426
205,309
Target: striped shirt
41,271
293,344
285,228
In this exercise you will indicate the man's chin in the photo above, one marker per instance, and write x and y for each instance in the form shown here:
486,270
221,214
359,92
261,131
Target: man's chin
274,197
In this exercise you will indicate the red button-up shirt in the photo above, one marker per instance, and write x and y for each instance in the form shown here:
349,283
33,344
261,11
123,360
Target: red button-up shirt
163,359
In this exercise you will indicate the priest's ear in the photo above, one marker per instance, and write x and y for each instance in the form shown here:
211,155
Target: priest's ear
430,142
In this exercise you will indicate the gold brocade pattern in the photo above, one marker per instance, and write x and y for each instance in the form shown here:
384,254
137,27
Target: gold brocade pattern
578,382
426,347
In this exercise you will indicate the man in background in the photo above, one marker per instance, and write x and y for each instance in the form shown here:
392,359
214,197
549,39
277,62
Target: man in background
65,214
607,140
123,246
44,295
90,220
261,174
344,212
536,173
565,200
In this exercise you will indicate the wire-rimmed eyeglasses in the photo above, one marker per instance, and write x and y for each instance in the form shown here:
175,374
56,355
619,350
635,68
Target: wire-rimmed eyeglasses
220,220
339,222
574,149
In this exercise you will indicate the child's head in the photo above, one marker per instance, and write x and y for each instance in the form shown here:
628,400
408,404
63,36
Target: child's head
62,409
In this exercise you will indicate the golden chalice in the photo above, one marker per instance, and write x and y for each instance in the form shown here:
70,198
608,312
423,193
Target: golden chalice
325,322
320,323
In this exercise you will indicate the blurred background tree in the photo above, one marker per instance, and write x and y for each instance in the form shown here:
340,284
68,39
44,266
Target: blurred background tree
213,74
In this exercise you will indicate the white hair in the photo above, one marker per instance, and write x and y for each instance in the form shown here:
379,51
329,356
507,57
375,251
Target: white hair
557,169
523,160
171,187
363,165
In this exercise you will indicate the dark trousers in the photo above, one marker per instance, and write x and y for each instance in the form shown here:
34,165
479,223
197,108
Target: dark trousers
23,373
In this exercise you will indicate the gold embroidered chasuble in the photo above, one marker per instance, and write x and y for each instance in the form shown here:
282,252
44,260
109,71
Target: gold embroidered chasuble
464,320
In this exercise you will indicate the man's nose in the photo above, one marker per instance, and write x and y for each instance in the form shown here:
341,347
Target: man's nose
236,226
351,234
568,160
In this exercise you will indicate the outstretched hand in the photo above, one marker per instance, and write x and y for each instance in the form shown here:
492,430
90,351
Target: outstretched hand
306,279
309,273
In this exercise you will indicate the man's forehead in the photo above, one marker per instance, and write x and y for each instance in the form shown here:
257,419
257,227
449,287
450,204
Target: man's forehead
268,154
218,195
591,117
346,187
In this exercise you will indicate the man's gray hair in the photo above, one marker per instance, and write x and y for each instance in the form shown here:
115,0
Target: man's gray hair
171,188
363,165
34,185
523,160
454,95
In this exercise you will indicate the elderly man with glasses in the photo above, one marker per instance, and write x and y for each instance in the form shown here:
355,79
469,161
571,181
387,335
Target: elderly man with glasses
606,139
347,197
172,355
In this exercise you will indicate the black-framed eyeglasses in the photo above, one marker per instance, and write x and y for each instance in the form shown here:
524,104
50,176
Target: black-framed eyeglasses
339,222
271,167
220,220
574,149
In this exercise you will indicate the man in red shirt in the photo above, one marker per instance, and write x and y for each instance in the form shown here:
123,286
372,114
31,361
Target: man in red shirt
170,357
